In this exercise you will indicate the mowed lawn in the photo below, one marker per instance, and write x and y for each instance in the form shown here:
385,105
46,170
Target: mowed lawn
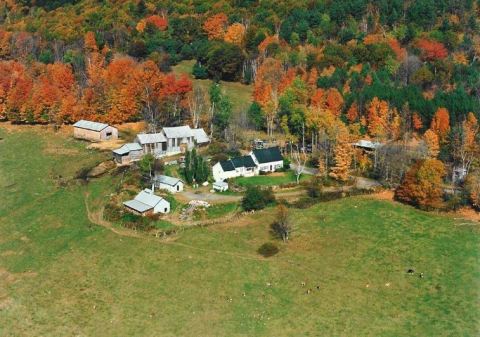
277,178
62,276
239,94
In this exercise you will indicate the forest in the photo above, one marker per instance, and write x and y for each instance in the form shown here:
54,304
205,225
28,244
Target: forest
327,73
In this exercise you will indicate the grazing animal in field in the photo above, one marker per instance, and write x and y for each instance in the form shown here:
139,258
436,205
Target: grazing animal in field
421,275
303,284
410,271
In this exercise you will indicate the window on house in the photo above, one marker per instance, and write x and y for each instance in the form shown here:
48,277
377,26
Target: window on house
165,210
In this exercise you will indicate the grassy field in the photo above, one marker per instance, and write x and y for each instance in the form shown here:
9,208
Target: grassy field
60,275
270,180
240,95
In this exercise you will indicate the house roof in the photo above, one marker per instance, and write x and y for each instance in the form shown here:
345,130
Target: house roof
137,206
126,148
368,144
178,131
237,162
88,125
269,155
227,165
200,136
244,161
167,180
147,197
151,138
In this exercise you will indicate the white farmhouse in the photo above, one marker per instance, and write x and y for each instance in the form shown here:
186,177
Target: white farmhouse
236,167
170,184
267,160
146,203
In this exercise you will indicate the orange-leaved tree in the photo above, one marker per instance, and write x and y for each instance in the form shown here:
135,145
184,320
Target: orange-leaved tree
422,184
432,142
235,34
215,26
441,123
432,50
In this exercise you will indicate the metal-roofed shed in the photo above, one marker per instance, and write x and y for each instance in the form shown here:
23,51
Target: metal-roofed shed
94,131
170,184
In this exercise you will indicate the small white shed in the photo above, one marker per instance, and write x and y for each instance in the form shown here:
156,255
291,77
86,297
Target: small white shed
146,202
220,186
171,184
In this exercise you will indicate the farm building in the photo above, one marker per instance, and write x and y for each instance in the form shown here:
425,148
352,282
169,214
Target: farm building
220,186
128,153
172,140
153,143
200,136
146,202
170,184
367,145
179,139
243,166
94,131
268,160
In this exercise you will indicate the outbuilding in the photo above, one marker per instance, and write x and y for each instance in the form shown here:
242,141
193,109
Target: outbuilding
127,153
171,184
146,203
220,186
94,131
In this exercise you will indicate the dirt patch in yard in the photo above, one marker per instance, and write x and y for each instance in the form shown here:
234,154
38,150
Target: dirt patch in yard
107,145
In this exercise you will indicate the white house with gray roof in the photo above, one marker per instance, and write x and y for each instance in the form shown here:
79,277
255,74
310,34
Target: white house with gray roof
179,139
171,184
94,131
146,202
172,140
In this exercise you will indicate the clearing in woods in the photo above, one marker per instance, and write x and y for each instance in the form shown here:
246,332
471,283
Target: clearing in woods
61,275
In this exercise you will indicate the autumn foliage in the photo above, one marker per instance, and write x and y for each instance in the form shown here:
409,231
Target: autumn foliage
441,123
432,50
113,92
215,26
422,184
235,34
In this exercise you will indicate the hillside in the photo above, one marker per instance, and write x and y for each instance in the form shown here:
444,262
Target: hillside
62,275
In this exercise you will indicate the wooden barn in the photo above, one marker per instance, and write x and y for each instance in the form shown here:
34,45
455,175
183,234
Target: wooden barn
128,153
94,131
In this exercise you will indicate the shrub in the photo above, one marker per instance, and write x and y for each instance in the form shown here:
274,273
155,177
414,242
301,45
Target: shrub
268,249
256,198
314,187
